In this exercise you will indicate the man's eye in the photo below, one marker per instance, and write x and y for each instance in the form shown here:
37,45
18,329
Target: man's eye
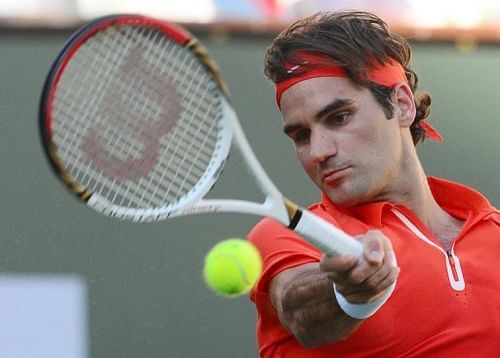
300,136
338,119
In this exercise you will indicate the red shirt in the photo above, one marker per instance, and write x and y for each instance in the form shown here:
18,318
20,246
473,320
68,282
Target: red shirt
446,304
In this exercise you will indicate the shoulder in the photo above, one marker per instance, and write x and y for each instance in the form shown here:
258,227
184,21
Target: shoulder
280,248
271,236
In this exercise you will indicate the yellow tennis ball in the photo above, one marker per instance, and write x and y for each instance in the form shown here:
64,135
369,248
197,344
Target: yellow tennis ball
232,267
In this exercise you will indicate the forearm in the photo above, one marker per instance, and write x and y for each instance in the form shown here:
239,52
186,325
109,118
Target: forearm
306,303
307,307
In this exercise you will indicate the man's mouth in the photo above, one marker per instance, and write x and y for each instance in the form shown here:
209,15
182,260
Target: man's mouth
331,177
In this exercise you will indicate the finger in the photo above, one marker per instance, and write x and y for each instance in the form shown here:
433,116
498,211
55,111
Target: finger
390,257
383,271
366,293
387,282
366,276
374,263
350,270
375,280
338,263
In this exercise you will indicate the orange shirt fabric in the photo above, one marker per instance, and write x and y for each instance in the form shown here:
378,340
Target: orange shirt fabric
445,304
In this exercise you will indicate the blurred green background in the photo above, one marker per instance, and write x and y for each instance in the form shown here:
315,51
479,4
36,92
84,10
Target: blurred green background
146,297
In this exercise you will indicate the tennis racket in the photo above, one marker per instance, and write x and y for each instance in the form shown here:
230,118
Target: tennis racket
135,120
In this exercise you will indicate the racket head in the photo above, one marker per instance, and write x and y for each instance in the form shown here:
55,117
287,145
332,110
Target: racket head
133,117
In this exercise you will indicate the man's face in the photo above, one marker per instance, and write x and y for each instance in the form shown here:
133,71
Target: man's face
343,139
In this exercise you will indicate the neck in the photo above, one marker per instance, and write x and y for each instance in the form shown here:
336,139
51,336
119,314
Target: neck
414,192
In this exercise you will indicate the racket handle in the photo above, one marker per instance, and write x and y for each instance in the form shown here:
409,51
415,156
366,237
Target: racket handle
326,236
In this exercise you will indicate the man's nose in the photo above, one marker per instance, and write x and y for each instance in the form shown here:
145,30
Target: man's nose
322,145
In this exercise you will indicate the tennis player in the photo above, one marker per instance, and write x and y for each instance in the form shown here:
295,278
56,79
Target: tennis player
427,284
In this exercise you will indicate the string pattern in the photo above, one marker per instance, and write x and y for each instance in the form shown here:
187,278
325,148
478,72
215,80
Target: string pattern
136,117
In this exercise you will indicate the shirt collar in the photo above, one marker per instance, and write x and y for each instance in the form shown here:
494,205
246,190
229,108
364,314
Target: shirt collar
457,199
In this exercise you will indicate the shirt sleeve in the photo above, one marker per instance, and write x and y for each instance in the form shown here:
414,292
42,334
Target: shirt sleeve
281,249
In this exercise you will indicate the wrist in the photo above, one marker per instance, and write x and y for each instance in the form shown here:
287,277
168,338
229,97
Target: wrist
364,310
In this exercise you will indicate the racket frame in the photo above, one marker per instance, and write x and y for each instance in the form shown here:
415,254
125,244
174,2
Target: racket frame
316,230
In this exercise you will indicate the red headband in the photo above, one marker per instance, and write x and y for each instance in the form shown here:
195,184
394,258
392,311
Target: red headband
311,65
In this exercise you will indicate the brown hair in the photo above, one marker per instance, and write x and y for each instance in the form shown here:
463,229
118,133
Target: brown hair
357,41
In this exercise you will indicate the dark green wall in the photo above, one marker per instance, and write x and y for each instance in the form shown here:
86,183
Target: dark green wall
146,295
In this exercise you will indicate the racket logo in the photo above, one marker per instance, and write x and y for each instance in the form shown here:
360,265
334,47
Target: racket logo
129,131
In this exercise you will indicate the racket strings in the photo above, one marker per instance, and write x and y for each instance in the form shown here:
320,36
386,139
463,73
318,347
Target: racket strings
169,180
150,189
125,117
77,84
83,84
189,170
65,106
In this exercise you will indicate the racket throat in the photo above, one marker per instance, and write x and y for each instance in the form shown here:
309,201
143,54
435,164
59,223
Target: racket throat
294,213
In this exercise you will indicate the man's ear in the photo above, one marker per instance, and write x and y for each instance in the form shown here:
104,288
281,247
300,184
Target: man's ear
405,104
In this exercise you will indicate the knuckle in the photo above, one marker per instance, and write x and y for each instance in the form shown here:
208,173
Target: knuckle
393,274
358,276
357,279
372,283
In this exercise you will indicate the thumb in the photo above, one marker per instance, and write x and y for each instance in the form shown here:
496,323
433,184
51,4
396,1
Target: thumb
374,250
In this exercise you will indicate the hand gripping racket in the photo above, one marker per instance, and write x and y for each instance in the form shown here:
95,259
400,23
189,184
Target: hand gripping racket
135,119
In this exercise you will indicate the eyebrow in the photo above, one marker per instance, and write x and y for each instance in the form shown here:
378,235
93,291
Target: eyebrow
333,106
330,107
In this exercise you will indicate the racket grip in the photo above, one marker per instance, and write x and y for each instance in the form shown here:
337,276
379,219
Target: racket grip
326,236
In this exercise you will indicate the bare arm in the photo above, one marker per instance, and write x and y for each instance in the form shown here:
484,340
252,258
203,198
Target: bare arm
303,296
